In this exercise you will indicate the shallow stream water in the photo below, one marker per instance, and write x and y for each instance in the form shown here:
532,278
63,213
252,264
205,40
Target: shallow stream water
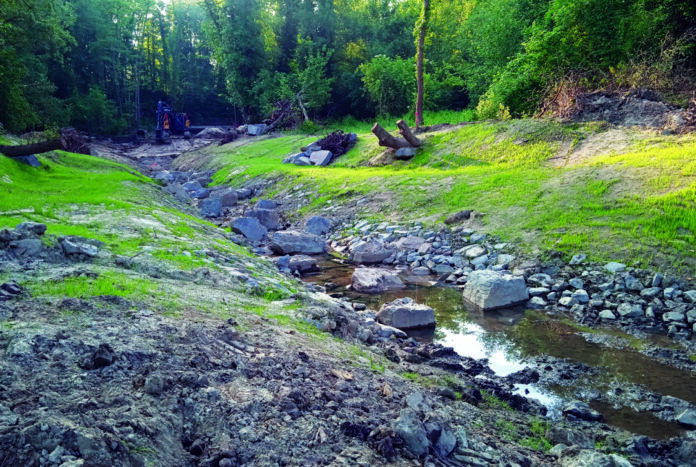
509,339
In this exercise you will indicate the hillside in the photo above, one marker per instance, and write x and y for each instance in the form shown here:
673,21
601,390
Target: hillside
135,332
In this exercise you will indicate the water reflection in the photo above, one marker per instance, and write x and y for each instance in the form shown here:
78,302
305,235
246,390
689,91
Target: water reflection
508,338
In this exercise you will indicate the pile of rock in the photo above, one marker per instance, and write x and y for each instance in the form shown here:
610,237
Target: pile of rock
318,153
192,187
24,243
493,278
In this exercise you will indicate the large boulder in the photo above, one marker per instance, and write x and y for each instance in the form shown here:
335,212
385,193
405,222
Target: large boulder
490,290
404,313
229,199
266,204
289,242
250,227
30,229
375,280
317,225
268,217
411,430
303,264
590,458
257,130
211,207
320,158
370,252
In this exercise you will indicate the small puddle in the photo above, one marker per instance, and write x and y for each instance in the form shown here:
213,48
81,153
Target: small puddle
508,338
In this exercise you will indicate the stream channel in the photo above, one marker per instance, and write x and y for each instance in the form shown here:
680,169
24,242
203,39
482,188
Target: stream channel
511,340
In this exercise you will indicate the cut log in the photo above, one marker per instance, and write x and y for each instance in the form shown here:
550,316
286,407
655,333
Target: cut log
29,149
387,140
70,140
405,131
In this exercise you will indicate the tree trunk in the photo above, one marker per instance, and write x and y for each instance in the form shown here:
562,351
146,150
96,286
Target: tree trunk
70,140
387,140
422,28
405,131
29,149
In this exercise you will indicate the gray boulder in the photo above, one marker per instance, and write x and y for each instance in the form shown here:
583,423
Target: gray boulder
27,248
243,193
490,290
72,246
375,280
288,242
211,207
578,410
257,130
687,418
405,154
250,227
266,204
177,191
303,264
629,310
302,160
229,199
192,186
409,427
317,225
370,252
30,229
404,313
614,267
268,217
321,158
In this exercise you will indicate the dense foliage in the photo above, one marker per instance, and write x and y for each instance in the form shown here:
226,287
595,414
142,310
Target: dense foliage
101,65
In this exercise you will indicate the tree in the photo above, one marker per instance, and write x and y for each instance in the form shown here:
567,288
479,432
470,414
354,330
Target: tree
421,29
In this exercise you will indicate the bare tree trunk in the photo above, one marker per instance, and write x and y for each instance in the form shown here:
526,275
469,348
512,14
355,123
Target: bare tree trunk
405,131
387,140
422,29
299,101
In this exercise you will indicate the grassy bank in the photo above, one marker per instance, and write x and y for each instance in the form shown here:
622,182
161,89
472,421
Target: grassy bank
534,180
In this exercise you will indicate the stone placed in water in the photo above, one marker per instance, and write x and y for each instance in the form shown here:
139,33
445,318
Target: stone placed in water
578,410
687,418
370,252
375,280
490,290
303,264
404,313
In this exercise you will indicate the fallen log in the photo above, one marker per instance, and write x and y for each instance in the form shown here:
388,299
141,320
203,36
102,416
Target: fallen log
70,140
405,131
388,140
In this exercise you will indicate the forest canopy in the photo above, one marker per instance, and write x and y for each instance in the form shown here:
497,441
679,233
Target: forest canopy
102,65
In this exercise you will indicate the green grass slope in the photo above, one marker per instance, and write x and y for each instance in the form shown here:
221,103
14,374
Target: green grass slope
633,202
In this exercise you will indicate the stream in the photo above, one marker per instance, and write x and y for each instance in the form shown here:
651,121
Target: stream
512,339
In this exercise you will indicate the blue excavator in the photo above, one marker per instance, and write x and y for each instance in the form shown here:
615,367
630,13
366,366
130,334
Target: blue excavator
169,122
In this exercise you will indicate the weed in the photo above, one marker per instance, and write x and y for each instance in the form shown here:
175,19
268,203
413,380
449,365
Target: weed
492,401
412,376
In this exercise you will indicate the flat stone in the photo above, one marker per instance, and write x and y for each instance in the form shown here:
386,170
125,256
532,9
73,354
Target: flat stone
504,260
192,186
687,418
404,313
375,280
489,290
288,242
321,158
581,296
537,303
266,204
582,411
607,314
650,292
475,251
690,296
409,427
576,283
302,161
370,252
28,247
535,291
